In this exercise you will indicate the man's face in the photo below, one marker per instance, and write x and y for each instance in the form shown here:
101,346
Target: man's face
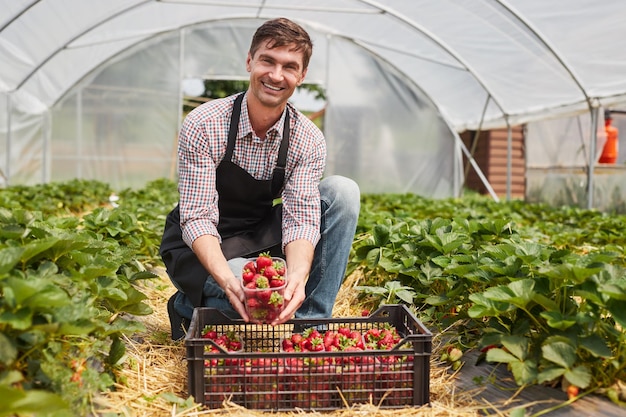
275,73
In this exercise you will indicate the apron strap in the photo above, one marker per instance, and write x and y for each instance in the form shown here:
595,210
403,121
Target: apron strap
278,175
234,127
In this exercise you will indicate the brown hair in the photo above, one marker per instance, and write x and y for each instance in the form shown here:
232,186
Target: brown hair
282,32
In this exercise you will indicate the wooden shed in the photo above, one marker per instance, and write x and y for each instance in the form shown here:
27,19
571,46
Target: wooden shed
490,152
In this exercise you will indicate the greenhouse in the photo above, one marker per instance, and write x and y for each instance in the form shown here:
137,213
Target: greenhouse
487,270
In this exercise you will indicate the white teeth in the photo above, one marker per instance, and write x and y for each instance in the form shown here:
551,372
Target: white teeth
272,87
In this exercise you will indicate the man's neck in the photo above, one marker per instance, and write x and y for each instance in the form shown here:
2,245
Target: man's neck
262,117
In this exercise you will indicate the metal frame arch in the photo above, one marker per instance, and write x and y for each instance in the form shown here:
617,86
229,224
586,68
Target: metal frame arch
453,53
72,39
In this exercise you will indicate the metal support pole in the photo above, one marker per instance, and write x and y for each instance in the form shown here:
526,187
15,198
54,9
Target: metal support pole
592,154
509,159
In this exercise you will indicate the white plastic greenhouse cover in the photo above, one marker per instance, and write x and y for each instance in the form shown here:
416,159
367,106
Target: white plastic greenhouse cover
93,89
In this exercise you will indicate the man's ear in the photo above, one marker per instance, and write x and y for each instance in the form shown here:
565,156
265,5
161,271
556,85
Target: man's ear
248,59
302,77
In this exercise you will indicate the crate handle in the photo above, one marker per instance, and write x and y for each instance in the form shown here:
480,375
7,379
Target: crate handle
389,310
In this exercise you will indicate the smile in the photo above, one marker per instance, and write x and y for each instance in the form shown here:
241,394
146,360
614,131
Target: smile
271,87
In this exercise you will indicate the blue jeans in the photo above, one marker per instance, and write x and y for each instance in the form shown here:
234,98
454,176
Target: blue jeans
340,205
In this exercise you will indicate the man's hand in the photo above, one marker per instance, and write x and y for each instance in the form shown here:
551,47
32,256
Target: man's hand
294,297
209,252
299,254
236,296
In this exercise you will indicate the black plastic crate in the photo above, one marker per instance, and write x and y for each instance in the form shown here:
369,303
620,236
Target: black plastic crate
264,377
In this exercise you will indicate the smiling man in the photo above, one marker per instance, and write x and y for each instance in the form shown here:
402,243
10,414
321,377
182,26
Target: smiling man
237,156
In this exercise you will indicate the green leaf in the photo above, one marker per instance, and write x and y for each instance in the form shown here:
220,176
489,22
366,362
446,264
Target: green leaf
501,356
518,293
22,289
381,234
48,298
595,345
371,289
117,352
373,257
406,295
12,232
517,345
614,291
19,402
618,312
524,372
556,320
80,327
518,412
8,351
20,320
9,257
32,249
436,300
529,252
485,307
550,374
545,302
579,376
561,353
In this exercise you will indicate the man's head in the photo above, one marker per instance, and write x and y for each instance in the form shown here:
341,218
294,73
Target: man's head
283,32
277,62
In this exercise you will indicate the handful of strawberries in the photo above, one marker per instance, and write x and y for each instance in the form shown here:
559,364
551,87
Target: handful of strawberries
264,280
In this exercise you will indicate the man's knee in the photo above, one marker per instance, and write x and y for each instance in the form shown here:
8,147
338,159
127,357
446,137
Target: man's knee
342,191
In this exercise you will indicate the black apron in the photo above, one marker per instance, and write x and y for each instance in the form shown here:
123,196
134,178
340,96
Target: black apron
249,223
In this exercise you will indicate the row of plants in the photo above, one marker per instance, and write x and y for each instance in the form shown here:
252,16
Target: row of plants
535,287
70,259
539,289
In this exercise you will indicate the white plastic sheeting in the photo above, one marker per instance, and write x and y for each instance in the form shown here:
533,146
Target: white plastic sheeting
93,89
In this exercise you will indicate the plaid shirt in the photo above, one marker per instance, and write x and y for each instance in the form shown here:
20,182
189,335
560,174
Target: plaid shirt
202,145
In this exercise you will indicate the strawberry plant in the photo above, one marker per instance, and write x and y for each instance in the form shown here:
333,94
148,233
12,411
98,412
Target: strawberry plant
541,288
67,298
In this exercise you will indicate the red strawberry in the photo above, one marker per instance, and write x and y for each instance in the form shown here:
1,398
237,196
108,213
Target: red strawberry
297,341
247,276
270,272
329,338
279,266
252,303
344,331
276,300
287,344
316,344
261,281
277,281
264,295
209,332
271,315
263,260
250,266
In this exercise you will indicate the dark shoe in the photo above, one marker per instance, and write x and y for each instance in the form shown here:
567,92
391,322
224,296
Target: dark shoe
178,323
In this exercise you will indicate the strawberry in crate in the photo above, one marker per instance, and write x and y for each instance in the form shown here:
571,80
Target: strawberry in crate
264,382
313,382
394,372
264,279
221,372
